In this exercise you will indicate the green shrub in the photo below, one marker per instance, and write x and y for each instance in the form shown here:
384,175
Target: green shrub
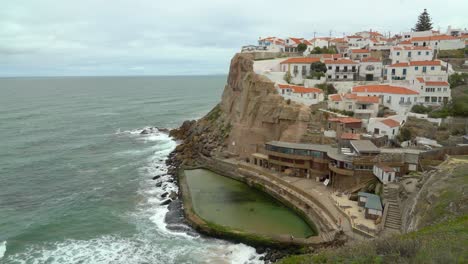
421,109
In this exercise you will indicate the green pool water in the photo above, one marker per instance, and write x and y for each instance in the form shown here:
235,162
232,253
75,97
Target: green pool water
231,203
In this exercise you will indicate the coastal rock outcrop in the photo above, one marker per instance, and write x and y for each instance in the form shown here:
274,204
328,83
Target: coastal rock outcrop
250,113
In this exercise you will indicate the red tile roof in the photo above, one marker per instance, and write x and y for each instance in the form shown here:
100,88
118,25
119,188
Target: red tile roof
360,51
437,84
416,63
425,63
297,40
429,38
345,120
350,96
420,79
340,61
300,89
335,97
412,48
405,42
390,122
383,88
350,136
332,56
303,60
370,59
354,37
368,99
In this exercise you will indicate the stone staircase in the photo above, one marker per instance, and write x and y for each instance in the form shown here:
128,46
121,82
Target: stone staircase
393,219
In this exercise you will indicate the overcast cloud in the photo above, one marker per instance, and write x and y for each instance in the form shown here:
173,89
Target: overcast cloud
155,37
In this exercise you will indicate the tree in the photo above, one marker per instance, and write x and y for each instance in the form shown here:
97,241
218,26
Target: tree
424,22
318,67
301,47
287,77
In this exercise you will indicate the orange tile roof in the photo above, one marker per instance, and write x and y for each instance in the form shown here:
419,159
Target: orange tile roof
368,99
405,42
370,59
345,120
429,38
412,48
307,42
300,60
425,63
416,63
390,122
332,56
383,88
400,64
350,96
420,79
353,36
437,84
340,61
300,89
335,97
350,136
360,51
297,40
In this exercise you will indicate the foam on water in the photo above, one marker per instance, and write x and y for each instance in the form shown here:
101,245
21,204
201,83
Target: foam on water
2,249
153,242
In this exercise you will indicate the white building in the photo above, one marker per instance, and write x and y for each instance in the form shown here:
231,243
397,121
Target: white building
364,107
384,173
320,42
397,98
272,44
413,69
300,94
291,44
384,127
411,53
413,34
357,54
299,68
432,92
370,69
341,69
357,42
439,42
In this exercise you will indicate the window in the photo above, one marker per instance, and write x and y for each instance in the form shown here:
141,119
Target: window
398,53
427,52
439,89
404,71
345,76
424,69
368,68
353,68
419,53
393,71
416,68
350,107
329,76
445,89
432,68
329,67
409,54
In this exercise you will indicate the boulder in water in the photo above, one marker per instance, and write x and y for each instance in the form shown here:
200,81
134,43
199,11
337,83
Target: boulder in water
159,184
166,202
156,177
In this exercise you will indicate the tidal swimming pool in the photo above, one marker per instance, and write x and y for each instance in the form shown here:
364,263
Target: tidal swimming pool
234,204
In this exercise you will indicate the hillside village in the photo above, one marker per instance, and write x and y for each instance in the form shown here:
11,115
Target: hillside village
362,90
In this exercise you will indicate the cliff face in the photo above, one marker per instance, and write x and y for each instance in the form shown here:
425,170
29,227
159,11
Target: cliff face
250,113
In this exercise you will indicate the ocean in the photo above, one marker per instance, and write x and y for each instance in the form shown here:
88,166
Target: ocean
76,174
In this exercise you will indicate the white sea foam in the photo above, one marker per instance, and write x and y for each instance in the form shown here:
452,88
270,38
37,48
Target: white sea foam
153,242
2,249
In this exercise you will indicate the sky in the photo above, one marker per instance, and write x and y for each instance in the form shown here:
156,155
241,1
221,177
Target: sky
197,37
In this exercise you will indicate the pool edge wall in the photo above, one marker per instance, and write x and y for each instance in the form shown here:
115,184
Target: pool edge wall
231,234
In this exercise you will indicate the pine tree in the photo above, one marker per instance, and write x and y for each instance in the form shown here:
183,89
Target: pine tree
424,22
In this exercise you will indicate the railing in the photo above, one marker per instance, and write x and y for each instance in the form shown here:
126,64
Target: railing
340,171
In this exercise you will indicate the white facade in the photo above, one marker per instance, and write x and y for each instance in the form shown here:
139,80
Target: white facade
398,99
385,174
432,92
405,54
357,54
299,68
414,69
371,69
299,94
364,107
341,69
439,42
412,34
357,41
384,127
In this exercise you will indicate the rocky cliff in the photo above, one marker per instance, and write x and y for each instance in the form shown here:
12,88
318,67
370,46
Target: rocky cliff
250,113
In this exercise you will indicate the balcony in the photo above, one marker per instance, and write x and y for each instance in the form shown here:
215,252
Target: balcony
404,103
340,171
363,111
